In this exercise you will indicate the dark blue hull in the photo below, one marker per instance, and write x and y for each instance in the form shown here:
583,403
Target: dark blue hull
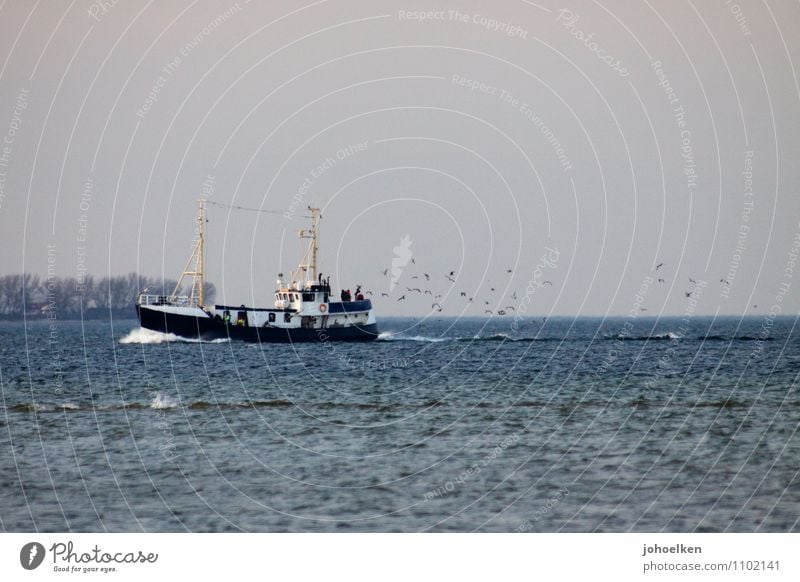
206,328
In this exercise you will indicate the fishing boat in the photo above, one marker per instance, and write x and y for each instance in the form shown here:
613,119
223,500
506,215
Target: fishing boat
302,312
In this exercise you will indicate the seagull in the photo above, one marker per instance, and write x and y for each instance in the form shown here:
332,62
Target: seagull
450,279
463,294
514,295
501,312
511,307
413,262
547,283
489,311
692,281
428,292
452,273
491,289
658,266
486,302
417,290
509,270
660,280
385,271
369,292
687,293
427,277
435,305
415,277
401,298
384,294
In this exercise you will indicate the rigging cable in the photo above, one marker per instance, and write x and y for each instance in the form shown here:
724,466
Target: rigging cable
234,207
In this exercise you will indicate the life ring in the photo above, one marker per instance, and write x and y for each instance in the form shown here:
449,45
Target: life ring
323,308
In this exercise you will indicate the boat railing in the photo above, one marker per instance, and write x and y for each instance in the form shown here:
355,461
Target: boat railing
177,300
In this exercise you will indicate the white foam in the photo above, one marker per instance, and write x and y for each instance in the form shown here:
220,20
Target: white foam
389,336
667,335
162,401
148,336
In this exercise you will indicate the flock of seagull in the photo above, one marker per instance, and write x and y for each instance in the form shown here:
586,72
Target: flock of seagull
450,276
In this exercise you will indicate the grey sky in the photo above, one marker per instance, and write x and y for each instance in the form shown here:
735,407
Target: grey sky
488,134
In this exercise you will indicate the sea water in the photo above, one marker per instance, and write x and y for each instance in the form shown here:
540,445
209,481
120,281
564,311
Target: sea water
563,424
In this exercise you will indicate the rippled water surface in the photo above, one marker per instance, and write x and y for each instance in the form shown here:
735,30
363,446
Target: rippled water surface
440,425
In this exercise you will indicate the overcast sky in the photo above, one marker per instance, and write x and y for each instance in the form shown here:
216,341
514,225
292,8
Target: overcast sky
593,140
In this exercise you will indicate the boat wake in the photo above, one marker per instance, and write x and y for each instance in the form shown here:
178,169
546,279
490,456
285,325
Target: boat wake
148,336
389,336
642,338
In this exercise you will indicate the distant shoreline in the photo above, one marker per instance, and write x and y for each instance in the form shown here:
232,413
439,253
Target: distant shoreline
90,314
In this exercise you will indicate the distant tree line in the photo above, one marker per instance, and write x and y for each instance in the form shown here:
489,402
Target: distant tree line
69,297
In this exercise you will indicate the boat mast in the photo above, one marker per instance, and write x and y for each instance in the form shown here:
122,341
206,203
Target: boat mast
197,293
200,265
309,264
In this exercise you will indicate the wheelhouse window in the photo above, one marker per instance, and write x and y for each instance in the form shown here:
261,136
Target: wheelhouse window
308,297
271,317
